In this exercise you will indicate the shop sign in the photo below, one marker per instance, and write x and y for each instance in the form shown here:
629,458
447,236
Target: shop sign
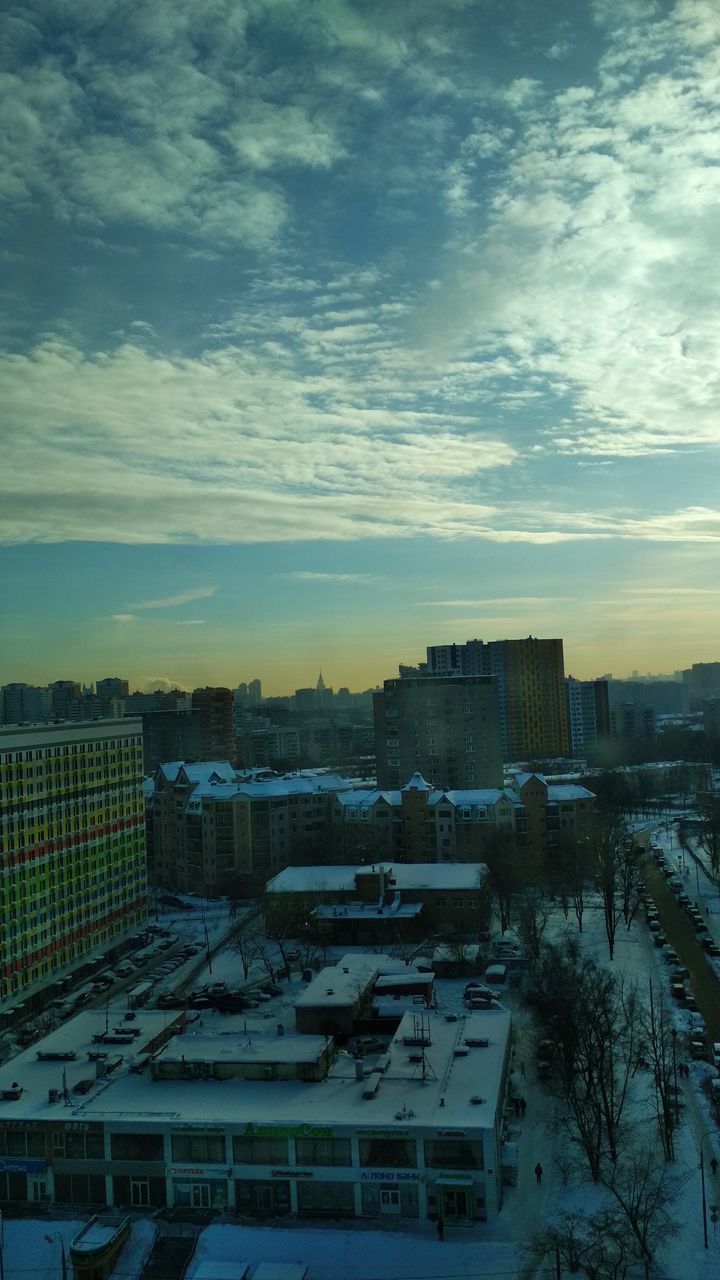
390,1175
451,1133
292,1173
444,1175
15,1164
287,1131
381,1133
181,1171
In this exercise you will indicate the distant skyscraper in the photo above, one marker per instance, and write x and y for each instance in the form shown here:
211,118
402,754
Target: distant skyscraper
446,729
65,695
530,675
255,693
24,704
588,712
217,729
112,687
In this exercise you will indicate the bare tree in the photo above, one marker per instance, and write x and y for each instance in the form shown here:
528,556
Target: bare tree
708,832
589,1244
592,1018
643,1189
531,917
659,1053
244,944
507,871
609,844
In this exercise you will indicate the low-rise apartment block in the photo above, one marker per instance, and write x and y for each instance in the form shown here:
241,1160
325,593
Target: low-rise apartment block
260,1124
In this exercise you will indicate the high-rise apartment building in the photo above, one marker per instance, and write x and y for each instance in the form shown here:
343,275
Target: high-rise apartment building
446,729
24,704
112,687
72,844
530,676
217,725
588,713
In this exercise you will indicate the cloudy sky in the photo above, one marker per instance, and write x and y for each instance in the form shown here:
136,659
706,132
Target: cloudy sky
336,328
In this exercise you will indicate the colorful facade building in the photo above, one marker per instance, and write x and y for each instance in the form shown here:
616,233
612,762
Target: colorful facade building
72,844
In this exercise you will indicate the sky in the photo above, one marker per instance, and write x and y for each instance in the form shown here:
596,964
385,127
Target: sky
331,329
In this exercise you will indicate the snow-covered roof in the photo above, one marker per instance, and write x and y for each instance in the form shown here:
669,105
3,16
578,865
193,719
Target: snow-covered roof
243,1047
521,778
359,798
409,1093
170,769
417,783
484,797
407,876
339,986
368,911
567,791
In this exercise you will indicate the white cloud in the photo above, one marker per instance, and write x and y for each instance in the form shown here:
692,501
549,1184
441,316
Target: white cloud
123,617
183,597
597,264
308,575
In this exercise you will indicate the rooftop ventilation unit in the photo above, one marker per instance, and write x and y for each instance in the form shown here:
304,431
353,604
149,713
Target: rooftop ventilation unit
371,1085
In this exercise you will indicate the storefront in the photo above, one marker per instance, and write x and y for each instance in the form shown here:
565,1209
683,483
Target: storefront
198,1188
455,1198
390,1192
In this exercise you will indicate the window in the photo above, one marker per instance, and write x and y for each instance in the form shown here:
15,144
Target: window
79,1146
203,1148
79,1188
260,1150
323,1151
326,1199
451,1153
390,1153
136,1146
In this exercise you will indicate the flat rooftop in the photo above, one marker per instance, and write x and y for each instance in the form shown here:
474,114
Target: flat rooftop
408,875
446,1083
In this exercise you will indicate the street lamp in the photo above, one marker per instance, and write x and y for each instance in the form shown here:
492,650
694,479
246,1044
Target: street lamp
55,1235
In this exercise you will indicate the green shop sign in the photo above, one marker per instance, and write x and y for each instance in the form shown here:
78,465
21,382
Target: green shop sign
287,1131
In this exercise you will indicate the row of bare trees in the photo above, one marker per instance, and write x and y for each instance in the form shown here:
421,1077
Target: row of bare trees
601,859
614,1077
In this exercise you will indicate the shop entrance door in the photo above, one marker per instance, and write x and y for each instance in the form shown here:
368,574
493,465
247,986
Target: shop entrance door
455,1202
390,1201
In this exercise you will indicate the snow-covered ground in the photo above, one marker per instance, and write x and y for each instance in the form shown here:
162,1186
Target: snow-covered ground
411,1251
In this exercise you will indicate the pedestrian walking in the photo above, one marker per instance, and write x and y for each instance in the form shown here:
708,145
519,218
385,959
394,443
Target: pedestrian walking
714,1166
440,1227
523,1106
538,1172
517,1106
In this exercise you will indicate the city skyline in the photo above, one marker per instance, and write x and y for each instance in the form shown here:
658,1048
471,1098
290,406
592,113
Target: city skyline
329,337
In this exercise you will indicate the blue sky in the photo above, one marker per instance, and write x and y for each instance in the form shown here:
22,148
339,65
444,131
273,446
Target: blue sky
332,330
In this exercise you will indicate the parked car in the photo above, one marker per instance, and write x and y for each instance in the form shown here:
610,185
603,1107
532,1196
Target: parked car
659,939
677,991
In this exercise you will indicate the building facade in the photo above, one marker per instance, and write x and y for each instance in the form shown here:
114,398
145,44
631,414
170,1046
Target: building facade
72,844
370,904
530,677
588,713
446,729
268,1127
